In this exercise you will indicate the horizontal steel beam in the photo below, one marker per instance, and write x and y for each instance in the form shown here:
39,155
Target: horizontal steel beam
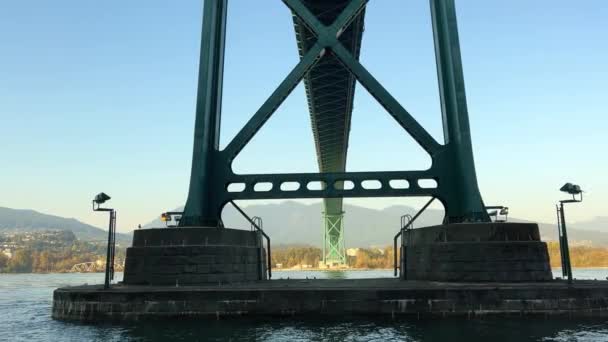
330,185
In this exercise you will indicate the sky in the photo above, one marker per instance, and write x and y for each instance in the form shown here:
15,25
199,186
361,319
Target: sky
100,96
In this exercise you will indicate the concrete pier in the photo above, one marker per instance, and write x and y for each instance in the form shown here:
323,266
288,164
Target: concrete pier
194,255
472,269
477,252
388,297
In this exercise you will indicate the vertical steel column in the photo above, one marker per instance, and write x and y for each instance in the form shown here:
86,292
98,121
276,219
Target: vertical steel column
334,251
202,207
560,239
565,248
463,199
109,272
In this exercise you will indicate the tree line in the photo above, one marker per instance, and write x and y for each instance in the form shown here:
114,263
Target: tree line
31,260
290,257
27,260
580,256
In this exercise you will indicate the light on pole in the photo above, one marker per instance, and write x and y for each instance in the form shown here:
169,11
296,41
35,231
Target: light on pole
97,202
577,196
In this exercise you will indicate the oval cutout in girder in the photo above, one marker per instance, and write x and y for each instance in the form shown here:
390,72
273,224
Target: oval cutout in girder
427,183
371,184
290,186
399,184
262,187
344,185
236,187
316,185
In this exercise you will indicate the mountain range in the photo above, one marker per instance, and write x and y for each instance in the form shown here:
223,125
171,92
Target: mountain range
25,220
293,222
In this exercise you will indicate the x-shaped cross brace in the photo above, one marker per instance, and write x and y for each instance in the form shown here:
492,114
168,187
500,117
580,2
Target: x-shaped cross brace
328,38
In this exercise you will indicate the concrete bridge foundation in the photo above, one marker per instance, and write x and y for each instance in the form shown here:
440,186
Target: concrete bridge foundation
485,252
192,256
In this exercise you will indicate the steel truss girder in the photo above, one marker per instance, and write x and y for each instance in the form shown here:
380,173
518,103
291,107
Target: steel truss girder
452,167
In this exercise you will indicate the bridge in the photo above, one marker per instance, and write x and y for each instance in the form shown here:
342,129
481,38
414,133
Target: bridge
329,39
228,270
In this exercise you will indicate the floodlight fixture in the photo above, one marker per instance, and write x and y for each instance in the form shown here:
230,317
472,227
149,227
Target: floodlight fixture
101,198
573,190
171,216
164,217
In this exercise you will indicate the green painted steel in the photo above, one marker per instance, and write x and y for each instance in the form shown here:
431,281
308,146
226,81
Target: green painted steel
334,247
330,90
202,206
326,41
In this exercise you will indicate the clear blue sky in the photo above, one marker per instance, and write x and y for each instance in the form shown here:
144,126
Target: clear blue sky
99,96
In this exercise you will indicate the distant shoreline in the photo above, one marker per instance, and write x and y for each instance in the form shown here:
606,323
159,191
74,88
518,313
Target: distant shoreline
305,270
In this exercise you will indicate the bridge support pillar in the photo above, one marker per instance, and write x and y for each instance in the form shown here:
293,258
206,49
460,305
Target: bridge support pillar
488,252
194,256
334,250
202,206
462,199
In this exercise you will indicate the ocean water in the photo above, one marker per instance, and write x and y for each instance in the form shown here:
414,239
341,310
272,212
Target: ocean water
26,299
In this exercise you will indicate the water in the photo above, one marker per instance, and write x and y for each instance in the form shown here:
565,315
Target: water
26,299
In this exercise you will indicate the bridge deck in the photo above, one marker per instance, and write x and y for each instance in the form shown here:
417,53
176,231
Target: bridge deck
330,89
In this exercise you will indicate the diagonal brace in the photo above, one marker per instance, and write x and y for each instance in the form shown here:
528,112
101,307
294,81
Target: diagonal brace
386,100
273,102
326,34
329,37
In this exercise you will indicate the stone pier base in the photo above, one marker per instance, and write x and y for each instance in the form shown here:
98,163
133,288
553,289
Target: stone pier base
485,252
332,297
192,256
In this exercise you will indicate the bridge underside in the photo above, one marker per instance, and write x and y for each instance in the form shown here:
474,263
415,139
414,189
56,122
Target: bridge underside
330,89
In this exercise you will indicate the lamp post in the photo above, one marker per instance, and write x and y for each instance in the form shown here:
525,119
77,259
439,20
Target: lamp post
99,200
575,191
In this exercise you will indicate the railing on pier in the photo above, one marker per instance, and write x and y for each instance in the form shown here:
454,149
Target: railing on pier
407,224
257,224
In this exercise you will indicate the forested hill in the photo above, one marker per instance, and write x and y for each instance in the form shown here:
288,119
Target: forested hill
25,220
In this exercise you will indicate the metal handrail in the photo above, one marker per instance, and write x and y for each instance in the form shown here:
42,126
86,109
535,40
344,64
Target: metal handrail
401,230
498,210
259,229
169,216
258,220
404,227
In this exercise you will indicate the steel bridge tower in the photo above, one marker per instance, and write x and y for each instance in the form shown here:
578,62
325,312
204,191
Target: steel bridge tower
329,35
466,247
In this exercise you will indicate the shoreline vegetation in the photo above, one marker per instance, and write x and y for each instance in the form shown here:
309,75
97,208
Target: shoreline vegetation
61,259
